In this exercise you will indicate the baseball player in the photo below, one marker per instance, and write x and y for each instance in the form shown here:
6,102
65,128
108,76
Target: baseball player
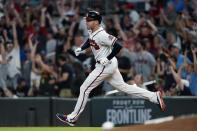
104,47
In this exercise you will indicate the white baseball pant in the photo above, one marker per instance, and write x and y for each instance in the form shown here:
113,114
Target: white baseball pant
111,74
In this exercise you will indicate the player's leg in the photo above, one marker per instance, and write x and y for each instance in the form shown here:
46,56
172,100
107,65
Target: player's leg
93,80
117,82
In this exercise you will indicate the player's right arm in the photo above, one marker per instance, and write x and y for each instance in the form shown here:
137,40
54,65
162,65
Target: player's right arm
83,47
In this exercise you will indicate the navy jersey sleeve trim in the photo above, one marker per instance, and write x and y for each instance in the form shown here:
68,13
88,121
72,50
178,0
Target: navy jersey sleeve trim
86,45
116,48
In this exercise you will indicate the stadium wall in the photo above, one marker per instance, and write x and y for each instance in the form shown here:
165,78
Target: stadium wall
40,111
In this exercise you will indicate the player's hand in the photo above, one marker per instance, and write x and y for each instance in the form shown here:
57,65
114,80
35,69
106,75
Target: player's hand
104,61
78,51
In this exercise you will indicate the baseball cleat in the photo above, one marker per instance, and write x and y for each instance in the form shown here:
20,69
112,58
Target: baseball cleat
160,101
63,118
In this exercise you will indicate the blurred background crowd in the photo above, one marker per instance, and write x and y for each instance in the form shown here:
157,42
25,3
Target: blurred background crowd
38,37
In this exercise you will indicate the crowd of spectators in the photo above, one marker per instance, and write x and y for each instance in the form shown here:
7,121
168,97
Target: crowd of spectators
38,39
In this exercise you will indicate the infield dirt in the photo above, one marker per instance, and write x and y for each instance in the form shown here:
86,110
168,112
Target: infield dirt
179,124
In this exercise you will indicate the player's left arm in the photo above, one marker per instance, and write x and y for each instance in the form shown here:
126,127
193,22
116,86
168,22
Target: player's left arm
85,45
116,49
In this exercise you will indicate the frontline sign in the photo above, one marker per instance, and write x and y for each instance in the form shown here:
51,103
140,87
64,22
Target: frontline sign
128,116
128,112
132,110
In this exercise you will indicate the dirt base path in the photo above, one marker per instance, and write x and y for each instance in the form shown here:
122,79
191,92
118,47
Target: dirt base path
179,124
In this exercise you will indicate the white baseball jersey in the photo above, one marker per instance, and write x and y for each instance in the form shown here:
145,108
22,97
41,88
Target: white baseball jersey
101,43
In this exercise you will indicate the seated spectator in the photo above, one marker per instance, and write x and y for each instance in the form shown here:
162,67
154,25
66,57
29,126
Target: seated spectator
138,80
22,88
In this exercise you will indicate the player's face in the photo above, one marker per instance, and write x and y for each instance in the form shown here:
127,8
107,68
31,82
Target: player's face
89,24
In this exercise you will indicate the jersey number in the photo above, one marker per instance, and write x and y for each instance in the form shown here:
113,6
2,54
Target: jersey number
93,43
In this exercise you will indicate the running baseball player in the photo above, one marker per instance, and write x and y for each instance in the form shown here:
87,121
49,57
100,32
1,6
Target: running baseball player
104,47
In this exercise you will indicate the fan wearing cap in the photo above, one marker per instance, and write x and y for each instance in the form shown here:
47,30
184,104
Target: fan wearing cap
104,47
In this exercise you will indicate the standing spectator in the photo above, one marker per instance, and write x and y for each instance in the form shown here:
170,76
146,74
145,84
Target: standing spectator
133,14
48,76
193,78
126,23
38,29
168,18
3,70
26,69
3,66
178,4
176,52
164,61
110,27
35,74
143,62
50,46
145,29
13,59
65,10
155,8
27,65
65,77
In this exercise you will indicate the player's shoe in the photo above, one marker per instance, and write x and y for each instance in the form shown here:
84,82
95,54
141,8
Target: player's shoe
64,119
160,101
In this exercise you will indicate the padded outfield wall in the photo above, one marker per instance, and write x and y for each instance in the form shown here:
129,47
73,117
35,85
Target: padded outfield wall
40,111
